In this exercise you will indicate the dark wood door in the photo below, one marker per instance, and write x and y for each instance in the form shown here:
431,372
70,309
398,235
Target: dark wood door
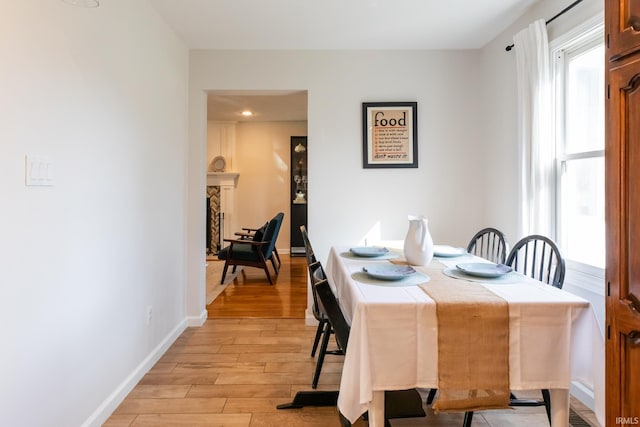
623,26
622,159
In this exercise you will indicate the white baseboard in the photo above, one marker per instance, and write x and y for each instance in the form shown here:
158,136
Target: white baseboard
197,321
104,411
583,393
309,319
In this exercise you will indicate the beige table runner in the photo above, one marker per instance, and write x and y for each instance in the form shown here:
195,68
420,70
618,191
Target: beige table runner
473,345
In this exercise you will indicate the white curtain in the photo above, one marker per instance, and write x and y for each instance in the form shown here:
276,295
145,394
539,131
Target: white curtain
535,138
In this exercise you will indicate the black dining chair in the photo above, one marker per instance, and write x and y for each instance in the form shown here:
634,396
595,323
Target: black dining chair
308,249
398,403
312,264
324,329
317,312
331,308
540,258
489,243
318,275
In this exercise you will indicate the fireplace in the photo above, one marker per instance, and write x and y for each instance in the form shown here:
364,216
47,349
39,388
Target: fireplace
215,218
220,209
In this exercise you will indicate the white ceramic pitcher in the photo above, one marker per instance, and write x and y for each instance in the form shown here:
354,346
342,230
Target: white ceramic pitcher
418,245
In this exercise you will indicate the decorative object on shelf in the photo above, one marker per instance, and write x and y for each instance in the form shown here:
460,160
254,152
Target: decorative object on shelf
83,3
218,164
418,245
389,135
301,188
300,198
300,177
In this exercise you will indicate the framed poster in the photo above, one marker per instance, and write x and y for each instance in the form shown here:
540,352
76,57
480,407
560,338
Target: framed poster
389,135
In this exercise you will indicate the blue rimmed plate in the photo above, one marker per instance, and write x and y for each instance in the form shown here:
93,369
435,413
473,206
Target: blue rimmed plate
389,272
445,251
368,251
484,269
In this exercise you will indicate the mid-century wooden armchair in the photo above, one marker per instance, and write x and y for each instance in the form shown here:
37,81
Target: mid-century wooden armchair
254,252
249,233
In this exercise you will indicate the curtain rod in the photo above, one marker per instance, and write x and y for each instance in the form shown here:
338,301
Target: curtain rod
562,12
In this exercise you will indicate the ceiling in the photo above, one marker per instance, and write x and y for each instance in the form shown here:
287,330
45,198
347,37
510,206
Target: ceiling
266,106
339,24
331,25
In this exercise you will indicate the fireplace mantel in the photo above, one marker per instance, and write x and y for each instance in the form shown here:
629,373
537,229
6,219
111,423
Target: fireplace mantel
223,179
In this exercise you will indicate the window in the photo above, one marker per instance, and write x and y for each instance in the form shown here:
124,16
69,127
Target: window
579,124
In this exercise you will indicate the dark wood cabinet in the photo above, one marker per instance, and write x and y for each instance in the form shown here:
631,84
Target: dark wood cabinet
299,194
623,27
622,163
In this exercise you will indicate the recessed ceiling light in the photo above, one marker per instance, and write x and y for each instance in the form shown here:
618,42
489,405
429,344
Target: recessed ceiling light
83,3
247,113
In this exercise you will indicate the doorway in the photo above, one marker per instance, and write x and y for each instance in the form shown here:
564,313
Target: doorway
255,149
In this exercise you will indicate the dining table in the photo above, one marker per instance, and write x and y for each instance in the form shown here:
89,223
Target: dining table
393,340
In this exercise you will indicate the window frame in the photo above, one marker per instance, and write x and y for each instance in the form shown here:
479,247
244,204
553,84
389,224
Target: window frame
586,36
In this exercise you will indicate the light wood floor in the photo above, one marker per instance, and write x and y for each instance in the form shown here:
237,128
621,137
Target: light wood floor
233,371
251,295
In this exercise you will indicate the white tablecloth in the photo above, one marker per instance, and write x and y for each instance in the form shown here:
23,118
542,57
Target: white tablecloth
393,344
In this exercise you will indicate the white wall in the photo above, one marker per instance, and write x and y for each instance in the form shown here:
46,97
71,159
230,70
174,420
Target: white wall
498,71
347,201
263,154
102,93
499,90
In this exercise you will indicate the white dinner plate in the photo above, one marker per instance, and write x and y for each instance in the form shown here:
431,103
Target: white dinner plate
484,269
369,251
446,251
389,272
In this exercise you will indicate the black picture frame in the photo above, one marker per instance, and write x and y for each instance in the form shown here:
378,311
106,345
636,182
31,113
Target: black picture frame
389,135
